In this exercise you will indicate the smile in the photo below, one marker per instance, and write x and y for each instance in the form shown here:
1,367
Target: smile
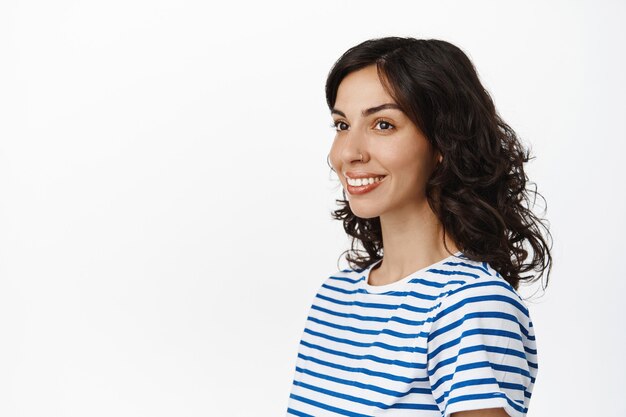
363,185
356,182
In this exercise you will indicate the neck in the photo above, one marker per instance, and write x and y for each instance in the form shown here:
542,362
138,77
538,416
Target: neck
412,240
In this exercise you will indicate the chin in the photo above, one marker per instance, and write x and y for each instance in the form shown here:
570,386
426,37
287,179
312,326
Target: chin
364,212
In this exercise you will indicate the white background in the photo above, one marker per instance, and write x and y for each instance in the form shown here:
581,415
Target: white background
165,199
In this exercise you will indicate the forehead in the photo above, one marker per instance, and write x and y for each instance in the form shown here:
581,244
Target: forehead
361,89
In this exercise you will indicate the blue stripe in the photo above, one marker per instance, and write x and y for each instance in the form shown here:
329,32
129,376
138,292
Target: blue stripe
340,395
298,413
405,335
448,377
376,305
381,345
477,348
391,293
471,332
363,370
373,358
495,349
341,290
365,401
487,396
530,350
444,272
346,279
413,406
502,284
351,315
434,283
489,283
514,370
366,331
357,303
512,386
483,381
369,387
480,298
482,364
478,314
472,382
372,318
468,383
327,407
340,327
483,268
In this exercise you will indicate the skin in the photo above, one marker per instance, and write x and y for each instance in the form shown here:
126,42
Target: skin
391,145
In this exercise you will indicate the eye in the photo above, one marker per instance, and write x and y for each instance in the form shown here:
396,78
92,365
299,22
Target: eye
385,125
337,125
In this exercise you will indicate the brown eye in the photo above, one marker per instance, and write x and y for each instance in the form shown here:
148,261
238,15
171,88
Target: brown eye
385,125
338,125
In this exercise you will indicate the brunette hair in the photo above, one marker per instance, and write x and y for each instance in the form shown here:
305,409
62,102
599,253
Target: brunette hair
478,191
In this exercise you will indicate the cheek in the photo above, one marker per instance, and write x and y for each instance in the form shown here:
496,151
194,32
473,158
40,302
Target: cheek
411,162
400,157
333,156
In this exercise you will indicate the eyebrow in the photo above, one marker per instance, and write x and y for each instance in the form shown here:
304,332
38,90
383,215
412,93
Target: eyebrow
369,111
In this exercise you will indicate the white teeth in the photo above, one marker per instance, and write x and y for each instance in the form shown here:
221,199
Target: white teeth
362,181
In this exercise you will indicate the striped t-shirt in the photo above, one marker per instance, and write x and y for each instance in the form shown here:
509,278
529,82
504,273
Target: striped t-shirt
450,337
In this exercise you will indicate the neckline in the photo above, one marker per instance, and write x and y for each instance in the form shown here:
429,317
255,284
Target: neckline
378,289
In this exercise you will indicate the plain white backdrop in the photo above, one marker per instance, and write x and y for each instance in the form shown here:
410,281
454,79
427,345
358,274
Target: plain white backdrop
165,199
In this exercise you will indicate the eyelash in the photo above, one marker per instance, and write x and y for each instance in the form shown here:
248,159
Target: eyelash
392,126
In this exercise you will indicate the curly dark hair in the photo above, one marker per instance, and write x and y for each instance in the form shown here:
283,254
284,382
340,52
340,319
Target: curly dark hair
478,191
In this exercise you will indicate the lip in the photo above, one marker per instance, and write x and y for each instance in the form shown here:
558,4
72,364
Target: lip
355,175
362,189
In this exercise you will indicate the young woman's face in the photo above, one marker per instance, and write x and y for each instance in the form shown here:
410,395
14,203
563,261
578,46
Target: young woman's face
389,142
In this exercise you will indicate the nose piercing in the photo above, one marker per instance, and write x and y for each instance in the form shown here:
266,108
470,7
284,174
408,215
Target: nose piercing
361,157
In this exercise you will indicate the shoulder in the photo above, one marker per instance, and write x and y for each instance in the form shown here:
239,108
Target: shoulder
465,281
481,343
348,275
479,301
342,281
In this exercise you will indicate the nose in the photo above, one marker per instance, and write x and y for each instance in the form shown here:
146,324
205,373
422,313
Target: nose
354,148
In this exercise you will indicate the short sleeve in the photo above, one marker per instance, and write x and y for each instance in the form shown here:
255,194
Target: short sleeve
481,350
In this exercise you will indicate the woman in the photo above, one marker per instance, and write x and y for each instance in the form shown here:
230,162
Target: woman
428,322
